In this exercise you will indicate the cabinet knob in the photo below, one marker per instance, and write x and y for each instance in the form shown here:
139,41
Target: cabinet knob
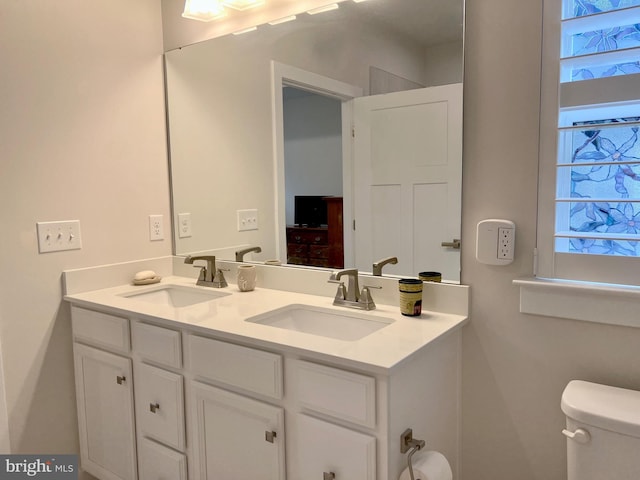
121,379
328,475
154,407
270,436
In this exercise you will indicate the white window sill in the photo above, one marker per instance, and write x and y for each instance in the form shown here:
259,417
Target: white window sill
591,302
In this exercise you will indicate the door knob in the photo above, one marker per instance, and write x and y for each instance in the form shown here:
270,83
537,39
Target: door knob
455,244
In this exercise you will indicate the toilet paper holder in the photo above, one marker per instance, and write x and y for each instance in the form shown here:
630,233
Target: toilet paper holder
407,442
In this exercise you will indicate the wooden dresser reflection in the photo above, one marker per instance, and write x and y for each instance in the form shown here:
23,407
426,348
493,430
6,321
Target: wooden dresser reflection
319,246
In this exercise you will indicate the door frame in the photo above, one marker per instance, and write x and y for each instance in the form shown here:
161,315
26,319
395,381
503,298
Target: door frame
286,75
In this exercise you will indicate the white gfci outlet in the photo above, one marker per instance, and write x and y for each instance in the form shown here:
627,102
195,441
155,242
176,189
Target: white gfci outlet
247,220
495,241
156,227
505,243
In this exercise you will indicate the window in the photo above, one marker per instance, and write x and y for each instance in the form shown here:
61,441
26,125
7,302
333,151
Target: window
590,150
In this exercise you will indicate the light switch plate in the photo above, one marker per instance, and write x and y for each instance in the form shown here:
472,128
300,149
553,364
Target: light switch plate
58,236
247,220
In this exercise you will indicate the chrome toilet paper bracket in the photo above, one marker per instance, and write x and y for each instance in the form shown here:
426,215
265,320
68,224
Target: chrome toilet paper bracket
407,442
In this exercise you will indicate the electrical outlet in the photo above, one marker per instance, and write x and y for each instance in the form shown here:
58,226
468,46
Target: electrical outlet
156,227
184,225
495,241
505,243
247,220
58,236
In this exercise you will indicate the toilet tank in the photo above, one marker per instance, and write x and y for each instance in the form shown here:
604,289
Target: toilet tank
603,432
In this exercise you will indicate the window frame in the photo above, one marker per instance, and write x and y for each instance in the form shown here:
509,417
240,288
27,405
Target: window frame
555,96
593,288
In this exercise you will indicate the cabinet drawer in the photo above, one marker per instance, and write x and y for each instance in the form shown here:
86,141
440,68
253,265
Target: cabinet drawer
297,250
243,367
100,329
157,344
345,395
160,404
156,462
319,251
324,448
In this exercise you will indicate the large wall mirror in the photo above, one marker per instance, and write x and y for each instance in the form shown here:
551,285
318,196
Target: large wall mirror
333,140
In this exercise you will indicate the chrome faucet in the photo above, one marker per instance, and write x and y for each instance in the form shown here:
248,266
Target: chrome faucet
377,266
351,296
210,276
241,253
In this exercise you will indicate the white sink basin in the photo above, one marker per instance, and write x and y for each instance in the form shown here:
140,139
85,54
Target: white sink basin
323,322
175,295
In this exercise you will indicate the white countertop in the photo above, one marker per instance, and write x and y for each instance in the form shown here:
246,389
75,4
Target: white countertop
224,318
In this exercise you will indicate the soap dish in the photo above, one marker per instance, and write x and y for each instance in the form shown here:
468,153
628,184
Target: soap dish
148,281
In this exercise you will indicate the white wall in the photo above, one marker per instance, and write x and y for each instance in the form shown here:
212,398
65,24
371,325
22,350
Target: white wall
515,366
443,64
82,135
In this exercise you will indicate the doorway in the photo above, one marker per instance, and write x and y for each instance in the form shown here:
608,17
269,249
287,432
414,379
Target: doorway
300,88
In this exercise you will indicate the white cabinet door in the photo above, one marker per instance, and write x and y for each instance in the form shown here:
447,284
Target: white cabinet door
235,437
160,405
327,451
104,391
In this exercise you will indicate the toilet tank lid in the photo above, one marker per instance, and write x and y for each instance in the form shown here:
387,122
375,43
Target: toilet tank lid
610,408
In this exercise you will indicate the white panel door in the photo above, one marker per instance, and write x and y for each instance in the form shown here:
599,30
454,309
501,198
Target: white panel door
236,437
408,179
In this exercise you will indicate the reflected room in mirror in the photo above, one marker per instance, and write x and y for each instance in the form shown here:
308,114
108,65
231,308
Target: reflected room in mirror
359,107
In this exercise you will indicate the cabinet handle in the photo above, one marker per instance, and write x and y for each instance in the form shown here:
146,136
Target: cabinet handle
328,475
154,407
270,436
121,379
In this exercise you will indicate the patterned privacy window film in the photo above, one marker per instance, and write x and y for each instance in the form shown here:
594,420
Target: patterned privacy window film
598,194
600,38
606,70
598,167
605,40
579,8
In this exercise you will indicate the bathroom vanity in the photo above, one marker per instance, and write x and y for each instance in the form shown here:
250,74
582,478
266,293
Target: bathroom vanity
185,382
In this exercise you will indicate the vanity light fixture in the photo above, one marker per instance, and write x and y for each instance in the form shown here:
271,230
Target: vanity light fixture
203,10
242,4
326,8
246,30
282,20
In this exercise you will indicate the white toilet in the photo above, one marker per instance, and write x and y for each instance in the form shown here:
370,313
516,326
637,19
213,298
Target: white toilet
603,431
